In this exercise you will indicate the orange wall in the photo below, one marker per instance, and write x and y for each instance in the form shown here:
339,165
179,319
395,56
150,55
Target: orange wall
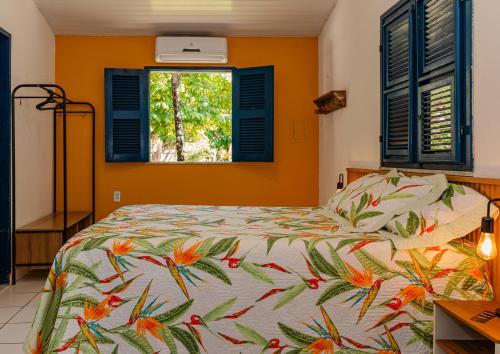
292,180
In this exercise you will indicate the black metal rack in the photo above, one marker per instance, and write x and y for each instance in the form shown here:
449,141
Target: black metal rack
55,100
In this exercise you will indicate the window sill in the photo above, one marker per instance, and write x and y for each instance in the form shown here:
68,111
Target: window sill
191,163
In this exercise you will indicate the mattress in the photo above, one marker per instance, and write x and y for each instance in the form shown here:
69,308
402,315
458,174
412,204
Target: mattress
193,279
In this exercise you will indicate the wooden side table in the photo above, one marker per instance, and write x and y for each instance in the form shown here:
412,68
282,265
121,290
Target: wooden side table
456,333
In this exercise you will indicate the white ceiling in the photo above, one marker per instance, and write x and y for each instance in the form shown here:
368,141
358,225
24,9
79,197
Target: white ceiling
187,17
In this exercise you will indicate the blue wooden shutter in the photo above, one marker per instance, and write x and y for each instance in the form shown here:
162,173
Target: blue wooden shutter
127,117
253,114
442,84
397,38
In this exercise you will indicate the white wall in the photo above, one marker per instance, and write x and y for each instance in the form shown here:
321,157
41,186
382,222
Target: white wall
349,59
33,61
486,109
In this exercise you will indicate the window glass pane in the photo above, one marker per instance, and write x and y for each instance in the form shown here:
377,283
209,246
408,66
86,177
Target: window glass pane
190,116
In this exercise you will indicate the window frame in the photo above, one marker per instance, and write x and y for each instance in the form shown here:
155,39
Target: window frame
255,87
460,69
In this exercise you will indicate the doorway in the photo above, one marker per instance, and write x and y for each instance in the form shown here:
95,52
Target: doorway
6,207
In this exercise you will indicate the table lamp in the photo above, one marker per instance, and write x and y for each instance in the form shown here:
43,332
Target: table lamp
340,183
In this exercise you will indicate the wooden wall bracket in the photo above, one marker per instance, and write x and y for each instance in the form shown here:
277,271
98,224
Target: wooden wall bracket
331,101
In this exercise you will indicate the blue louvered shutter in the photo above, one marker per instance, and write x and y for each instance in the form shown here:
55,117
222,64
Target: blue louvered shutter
438,29
253,114
397,36
127,118
442,113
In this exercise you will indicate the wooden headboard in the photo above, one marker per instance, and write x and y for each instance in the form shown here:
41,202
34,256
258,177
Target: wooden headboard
490,187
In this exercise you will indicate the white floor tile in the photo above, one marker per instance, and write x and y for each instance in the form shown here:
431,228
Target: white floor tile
30,286
36,300
6,313
36,274
11,348
31,272
8,298
14,333
26,315
21,272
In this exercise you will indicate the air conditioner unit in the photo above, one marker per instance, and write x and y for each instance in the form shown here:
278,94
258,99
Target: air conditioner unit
191,50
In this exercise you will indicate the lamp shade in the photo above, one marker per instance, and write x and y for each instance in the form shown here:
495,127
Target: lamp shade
340,183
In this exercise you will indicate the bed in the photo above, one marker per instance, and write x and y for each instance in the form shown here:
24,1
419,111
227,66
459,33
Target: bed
192,279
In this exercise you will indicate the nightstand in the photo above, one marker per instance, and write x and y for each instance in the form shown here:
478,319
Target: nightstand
455,332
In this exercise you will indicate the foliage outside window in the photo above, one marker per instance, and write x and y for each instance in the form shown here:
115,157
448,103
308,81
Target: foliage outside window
190,116
440,131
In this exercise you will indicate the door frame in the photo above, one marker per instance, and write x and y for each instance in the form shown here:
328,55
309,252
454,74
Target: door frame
7,209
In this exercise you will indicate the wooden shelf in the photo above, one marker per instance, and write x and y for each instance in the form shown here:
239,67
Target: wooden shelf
463,311
54,222
456,333
466,346
39,241
331,101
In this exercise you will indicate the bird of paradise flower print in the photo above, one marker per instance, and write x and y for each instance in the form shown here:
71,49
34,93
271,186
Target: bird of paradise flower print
325,338
223,280
89,325
116,256
368,288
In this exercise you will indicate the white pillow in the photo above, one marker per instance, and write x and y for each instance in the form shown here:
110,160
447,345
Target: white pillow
367,204
457,213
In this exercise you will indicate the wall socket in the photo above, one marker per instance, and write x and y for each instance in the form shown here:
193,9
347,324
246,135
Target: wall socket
117,196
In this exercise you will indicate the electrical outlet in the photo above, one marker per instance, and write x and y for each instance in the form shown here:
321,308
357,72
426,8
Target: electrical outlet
117,196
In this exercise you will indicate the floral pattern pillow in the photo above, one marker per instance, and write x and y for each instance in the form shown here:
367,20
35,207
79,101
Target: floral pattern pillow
457,213
367,204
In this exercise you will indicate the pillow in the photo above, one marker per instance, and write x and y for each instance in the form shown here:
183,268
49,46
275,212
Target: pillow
457,213
369,203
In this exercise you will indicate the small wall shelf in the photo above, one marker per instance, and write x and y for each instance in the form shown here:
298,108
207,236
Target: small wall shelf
331,101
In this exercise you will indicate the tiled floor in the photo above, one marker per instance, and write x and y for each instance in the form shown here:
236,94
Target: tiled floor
17,310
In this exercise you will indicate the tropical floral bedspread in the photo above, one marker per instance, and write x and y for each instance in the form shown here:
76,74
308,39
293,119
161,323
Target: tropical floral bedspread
186,279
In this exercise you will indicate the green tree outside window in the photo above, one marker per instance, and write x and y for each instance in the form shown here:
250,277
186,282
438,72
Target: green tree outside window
190,116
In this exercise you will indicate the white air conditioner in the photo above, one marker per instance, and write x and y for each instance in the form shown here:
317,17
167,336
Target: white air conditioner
191,50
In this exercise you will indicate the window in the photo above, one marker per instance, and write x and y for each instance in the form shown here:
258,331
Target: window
190,114
426,85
